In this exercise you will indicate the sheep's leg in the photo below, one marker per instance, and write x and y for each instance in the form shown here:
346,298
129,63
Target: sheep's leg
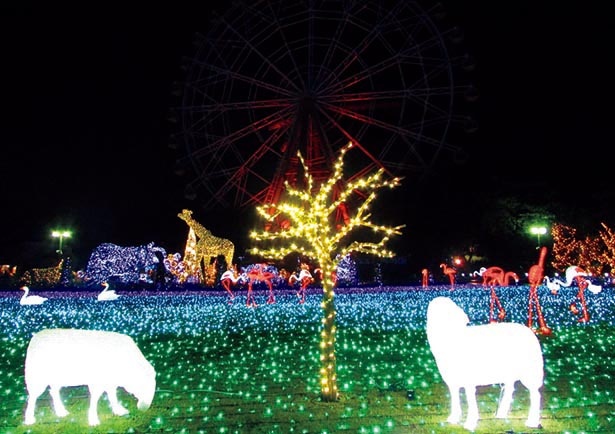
472,418
33,394
58,406
117,408
506,401
455,415
95,393
533,417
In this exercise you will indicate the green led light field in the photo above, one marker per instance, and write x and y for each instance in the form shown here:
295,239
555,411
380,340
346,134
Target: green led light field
228,368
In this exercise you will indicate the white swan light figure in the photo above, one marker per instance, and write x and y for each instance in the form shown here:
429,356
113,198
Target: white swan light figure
554,285
594,289
574,271
107,294
27,299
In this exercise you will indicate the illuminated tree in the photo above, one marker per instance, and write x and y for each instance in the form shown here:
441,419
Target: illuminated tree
313,233
590,253
565,246
591,249
608,238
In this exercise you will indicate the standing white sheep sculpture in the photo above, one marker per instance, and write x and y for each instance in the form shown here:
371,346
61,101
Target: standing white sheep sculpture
471,356
101,360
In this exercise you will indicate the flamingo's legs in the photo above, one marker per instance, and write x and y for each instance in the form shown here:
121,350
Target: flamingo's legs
582,283
301,293
271,298
250,298
534,303
226,283
495,301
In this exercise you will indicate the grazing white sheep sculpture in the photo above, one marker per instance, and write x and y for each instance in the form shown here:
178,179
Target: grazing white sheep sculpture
101,360
471,356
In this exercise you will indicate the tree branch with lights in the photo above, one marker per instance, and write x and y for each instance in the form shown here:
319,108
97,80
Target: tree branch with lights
313,233
593,253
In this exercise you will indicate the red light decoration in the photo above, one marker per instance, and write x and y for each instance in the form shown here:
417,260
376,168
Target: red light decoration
450,272
425,277
535,277
259,273
493,276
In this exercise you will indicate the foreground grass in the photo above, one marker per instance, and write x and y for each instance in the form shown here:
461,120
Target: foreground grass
228,368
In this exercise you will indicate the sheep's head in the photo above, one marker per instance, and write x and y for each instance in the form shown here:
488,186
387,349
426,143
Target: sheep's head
444,321
143,386
443,310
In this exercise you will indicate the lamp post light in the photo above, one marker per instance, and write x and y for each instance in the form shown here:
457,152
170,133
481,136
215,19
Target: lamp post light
60,235
538,231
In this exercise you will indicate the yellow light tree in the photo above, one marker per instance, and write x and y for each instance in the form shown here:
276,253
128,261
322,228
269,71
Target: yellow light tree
313,233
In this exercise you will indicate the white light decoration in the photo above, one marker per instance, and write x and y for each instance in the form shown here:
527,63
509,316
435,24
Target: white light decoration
107,294
109,261
471,356
101,360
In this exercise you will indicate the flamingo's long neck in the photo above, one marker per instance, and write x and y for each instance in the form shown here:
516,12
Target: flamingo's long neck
541,259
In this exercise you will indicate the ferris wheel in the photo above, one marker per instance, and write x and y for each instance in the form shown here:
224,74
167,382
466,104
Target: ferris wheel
274,77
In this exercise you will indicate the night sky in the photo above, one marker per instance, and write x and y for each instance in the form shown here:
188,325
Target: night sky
85,132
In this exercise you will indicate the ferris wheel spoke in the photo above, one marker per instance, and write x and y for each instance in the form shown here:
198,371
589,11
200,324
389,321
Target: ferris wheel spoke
376,122
362,45
241,172
262,57
354,140
328,58
247,193
289,51
354,80
404,133
222,107
228,74
218,147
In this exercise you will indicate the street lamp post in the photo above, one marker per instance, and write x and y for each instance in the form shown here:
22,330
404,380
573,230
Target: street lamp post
538,231
60,235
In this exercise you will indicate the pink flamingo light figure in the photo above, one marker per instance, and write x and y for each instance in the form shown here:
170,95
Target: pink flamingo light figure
259,273
535,277
450,272
425,277
493,276
498,276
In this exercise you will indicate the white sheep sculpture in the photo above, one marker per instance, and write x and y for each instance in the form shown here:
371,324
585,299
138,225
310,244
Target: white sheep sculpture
470,356
101,360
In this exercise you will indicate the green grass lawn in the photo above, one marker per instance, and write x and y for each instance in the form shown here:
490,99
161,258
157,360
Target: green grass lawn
228,368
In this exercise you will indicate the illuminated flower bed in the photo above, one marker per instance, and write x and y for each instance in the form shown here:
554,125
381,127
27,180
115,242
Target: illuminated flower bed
229,368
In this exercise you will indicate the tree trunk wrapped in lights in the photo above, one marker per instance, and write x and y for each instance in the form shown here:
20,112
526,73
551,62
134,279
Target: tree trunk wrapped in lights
312,232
